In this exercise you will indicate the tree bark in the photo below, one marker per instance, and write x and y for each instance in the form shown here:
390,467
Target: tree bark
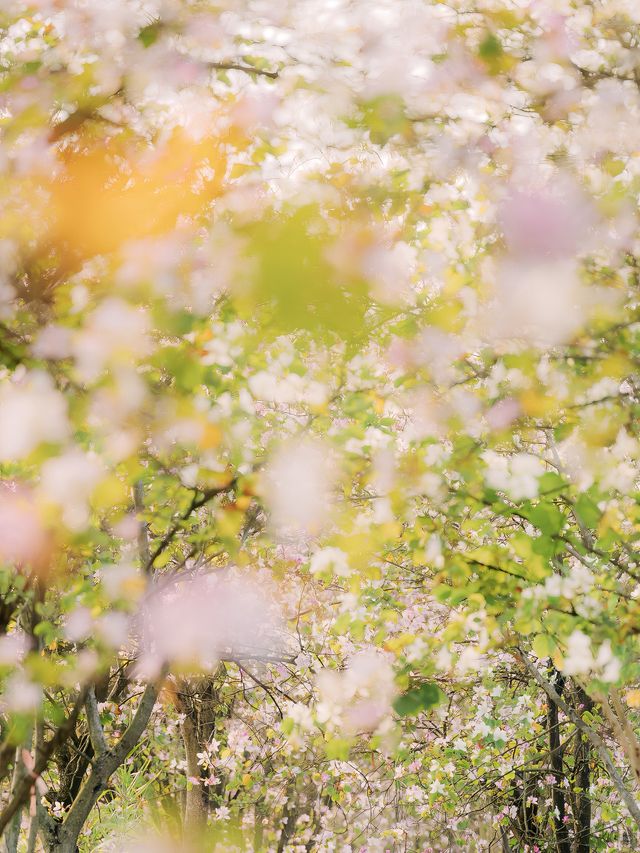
32,838
195,810
198,700
43,753
63,838
582,783
258,828
563,845
13,830
288,821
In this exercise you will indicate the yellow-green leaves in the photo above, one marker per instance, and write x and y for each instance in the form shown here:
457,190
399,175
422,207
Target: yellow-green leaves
291,283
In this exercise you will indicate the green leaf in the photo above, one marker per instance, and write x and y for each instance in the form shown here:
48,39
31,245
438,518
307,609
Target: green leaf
587,511
46,630
338,749
551,483
294,285
490,47
385,117
418,699
547,518
545,546
543,646
148,35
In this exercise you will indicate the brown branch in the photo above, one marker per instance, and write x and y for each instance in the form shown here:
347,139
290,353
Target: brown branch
143,529
104,766
88,112
43,754
263,686
196,503
248,69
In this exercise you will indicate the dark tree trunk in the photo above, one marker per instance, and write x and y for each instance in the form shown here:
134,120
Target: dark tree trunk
72,761
288,820
504,841
526,822
582,782
563,844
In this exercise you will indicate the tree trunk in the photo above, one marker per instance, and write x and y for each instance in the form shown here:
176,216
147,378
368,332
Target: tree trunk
596,741
13,830
582,783
32,838
63,837
198,700
526,826
195,812
288,820
258,828
563,845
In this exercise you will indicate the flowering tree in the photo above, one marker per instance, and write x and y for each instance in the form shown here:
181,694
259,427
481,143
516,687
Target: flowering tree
319,344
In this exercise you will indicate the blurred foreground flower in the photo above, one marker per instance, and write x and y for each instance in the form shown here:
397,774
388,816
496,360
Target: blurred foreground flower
192,621
298,488
360,697
24,540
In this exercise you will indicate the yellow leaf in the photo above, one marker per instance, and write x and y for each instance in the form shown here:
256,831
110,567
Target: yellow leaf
378,404
109,493
632,698
543,646
131,194
395,644
211,436
132,588
536,404
243,502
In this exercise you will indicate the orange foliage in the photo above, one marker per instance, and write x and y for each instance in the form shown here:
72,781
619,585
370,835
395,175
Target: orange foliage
105,195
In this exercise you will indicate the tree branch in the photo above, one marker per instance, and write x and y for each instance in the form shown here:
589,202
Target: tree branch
96,732
589,733
43,754
143,529
104,766
263,686
196,503
248,69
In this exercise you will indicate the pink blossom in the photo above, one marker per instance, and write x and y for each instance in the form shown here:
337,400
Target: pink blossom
192,620
24,540
545,222
503,413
